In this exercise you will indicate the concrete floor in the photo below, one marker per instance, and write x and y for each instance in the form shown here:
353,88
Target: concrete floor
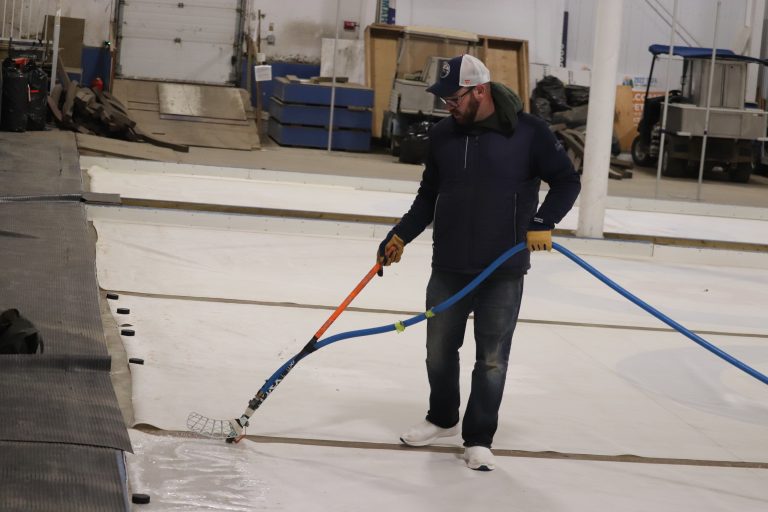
379,164
643,184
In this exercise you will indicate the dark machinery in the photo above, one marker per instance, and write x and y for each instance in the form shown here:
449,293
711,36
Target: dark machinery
734,129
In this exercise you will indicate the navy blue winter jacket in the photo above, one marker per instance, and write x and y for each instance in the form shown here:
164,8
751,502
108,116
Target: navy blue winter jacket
480,190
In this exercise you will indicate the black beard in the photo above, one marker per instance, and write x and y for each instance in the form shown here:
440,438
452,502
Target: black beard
468,116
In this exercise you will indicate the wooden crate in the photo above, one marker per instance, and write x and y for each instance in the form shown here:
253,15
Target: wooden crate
316,137
347,95
507,59
319,115
624,125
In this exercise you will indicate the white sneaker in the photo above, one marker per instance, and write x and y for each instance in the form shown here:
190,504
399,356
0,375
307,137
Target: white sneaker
425,433
479,458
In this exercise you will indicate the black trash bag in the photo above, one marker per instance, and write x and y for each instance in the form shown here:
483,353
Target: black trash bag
413,146
576,95
18,335
15,104
37,79
551,88
540,108
573,118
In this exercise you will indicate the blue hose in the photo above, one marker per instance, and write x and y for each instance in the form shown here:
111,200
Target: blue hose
437,309
661,316
483,275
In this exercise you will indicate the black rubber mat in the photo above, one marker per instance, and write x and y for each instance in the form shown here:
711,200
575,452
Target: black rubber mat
56,399
44,477
65,394
48,273
39,163
62,434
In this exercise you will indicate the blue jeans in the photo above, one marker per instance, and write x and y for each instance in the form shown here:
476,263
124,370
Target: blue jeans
496,304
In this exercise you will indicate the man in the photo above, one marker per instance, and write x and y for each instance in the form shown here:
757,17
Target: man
480,192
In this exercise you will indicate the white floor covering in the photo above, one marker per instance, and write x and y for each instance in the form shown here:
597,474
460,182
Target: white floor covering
211,303
149,256
250,191
186,475
619,391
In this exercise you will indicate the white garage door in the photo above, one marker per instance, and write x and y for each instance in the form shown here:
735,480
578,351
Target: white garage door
180,40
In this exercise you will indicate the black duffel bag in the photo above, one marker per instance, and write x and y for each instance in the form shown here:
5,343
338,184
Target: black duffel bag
37,111
18,335
15,102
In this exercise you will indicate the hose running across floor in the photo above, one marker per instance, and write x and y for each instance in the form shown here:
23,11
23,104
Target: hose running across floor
234,430
399,326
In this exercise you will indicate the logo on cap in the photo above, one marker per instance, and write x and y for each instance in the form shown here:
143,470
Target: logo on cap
445,70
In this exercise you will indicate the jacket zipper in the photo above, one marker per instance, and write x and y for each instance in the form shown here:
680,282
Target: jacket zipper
466,148
514,219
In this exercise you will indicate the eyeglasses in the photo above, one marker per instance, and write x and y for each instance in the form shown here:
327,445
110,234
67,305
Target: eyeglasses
454,101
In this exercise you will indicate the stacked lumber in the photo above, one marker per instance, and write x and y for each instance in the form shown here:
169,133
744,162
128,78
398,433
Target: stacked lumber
95,112
564,108
574,141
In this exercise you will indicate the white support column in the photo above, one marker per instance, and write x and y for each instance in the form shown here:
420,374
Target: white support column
602,101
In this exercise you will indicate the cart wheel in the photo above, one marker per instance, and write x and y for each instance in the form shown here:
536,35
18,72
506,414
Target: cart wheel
740,173
394,146
672,167
641,153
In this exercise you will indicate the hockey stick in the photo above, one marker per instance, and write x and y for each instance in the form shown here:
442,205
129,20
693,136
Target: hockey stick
234,430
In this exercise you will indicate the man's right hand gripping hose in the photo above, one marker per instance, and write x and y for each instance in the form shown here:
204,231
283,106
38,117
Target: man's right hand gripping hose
390,251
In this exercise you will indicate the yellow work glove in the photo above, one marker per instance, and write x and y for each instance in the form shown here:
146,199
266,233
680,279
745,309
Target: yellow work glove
390,251
539,240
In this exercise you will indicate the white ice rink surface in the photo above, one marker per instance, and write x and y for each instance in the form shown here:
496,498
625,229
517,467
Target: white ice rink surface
569,389
251,189
144,254
218,306
187,475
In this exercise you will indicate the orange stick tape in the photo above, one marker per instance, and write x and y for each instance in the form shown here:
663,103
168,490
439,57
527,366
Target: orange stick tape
349,299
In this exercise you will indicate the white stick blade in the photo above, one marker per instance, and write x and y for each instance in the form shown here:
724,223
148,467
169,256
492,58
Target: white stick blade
215,429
